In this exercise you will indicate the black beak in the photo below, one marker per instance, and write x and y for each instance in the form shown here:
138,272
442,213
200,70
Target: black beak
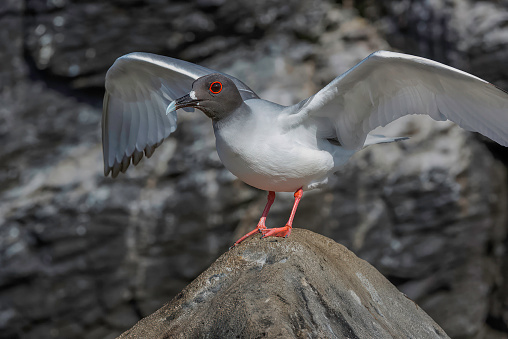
185,101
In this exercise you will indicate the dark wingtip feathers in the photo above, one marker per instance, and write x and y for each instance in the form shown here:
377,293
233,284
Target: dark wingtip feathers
125,164
116,169
149,151
126,161
159,143
136,157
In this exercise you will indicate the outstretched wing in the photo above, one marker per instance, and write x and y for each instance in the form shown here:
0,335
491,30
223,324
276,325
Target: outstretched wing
386,86
139,87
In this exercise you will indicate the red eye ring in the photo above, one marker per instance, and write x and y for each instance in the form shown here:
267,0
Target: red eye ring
215,91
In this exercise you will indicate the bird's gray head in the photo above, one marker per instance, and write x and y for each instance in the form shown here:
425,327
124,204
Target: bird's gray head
214,94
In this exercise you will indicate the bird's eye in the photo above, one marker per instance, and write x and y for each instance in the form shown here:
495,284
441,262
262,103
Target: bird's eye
216,87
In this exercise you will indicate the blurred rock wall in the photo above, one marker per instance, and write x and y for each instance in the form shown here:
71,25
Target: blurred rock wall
86,256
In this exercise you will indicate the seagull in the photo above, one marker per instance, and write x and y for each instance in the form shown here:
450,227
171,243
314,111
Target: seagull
288,148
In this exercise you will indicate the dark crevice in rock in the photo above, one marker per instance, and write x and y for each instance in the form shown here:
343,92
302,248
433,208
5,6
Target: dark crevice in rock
497,323
16,281
135,306
397,280
63,85
499,152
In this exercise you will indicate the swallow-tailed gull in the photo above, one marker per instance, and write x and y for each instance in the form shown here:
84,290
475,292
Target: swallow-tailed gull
288,148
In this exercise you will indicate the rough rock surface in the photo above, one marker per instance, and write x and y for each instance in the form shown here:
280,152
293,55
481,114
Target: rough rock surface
306,286
82,256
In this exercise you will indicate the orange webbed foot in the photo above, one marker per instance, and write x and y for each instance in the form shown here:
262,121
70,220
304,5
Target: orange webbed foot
258,229
282,232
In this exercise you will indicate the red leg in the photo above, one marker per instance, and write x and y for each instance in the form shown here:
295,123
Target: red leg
286,230
261,224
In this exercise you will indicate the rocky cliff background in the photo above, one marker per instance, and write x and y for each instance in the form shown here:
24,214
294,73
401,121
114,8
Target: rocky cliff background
86,256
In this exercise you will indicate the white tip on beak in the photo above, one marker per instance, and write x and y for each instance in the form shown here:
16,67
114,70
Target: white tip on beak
171,107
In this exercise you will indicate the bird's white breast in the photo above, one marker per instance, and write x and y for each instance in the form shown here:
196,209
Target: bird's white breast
259,152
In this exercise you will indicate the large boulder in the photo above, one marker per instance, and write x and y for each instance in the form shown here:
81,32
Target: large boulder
305,286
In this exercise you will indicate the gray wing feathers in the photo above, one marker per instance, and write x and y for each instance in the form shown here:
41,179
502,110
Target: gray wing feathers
386,86
139,87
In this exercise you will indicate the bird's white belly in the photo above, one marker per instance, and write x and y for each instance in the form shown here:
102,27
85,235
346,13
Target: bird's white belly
274,164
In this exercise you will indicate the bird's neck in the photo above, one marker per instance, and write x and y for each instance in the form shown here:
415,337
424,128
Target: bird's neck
238,117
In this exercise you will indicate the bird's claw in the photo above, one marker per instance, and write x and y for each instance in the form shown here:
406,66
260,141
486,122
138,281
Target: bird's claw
282,232
258,229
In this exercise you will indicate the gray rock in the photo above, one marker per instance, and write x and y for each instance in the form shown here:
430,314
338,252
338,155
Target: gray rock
305,286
